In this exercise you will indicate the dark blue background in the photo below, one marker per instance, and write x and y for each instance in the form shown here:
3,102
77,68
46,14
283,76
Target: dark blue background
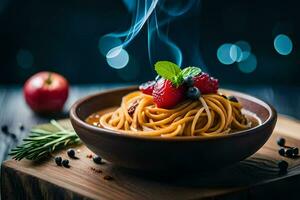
63,36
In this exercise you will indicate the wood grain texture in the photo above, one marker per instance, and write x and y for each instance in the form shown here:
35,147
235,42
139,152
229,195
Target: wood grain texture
255,177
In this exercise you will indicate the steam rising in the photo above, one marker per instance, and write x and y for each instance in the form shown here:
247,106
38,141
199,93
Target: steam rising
158,15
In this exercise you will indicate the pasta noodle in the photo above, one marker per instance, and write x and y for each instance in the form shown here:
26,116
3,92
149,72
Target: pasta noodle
211,115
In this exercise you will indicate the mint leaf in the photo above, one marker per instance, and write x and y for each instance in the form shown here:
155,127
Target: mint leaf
190,71
177,80
167,70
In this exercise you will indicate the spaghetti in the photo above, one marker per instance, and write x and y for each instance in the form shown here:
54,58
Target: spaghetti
211,115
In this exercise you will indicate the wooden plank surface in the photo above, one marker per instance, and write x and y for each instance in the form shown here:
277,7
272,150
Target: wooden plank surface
255,177
13,112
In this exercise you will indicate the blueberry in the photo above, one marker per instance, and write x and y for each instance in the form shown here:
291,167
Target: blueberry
189,81
289,153
281,151
193,93
295,151
233,99
282,165
97,159
65,163
281,141
71,153
58,160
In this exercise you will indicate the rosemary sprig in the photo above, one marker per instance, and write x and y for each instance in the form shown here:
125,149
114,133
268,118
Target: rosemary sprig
41,142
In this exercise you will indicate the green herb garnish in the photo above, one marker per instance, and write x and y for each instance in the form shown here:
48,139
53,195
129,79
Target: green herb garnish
173,73
43,141
190,71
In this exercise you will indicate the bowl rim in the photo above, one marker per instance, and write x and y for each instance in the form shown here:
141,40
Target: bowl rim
96,130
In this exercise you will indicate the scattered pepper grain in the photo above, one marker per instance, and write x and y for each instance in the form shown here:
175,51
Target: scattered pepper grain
107,177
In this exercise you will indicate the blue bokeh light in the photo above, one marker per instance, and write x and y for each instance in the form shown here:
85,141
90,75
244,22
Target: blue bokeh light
235,53
229,53
249,65
223,54
117,57
24,58
114,52
283,44
245,48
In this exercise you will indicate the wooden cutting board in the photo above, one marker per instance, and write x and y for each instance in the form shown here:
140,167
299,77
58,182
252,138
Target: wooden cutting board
255,177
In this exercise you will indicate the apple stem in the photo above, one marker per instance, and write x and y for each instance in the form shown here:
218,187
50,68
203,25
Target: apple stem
49,80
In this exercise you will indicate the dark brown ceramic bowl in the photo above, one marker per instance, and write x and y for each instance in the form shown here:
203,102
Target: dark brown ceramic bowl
165,154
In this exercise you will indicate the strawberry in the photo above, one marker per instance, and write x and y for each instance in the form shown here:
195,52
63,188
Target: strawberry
147,87
205,83
166,95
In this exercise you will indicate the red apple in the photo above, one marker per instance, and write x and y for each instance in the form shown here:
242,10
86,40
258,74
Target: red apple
46,92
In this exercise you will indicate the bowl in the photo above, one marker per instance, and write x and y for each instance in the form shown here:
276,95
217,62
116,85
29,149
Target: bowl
168,154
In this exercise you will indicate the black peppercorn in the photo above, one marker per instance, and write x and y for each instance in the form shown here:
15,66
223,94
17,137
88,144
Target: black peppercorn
295,151
58,160
282,165
21,127
65,163
224,96
281,151
4,129
13,136
281,141
97,159
289,152
71,153
107,177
